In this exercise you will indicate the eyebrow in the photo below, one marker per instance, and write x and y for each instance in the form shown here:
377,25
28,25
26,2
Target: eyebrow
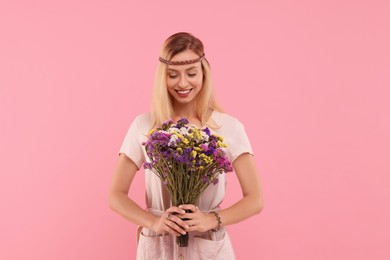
193,67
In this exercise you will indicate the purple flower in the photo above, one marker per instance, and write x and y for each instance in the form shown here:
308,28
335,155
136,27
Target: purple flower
207,131
166,125
181,123
204,147
213,144
210,151
148,165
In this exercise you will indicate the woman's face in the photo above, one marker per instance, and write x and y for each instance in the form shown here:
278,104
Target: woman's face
184,81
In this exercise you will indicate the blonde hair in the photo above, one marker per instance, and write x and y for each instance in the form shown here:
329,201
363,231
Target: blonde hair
162,108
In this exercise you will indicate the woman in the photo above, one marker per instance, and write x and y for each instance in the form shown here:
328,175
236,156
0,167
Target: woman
183,89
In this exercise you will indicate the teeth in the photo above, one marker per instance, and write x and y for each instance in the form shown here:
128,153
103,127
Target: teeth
184,91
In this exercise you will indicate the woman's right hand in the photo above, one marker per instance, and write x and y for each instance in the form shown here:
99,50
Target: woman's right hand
170,223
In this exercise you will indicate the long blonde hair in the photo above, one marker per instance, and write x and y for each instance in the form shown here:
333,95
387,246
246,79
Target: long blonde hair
162,108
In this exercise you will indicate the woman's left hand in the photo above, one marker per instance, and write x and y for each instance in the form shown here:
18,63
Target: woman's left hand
197,220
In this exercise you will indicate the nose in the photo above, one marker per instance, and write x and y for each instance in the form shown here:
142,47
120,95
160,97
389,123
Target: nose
183,82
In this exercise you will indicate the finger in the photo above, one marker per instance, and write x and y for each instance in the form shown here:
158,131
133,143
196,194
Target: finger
171,231
190,215
169,227
177,219
193,227
175,209
191,223
171,211
174,228
191,207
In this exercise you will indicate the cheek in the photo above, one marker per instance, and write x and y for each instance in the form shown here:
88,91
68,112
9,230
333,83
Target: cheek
201,78
170,83
198,81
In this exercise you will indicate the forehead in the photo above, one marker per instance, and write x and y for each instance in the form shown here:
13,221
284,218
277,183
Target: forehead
184,67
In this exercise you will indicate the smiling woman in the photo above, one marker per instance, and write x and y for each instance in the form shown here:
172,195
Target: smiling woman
185,72
184,82
183,89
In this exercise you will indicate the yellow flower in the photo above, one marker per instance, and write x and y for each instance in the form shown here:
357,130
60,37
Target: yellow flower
205,158
179,135
197,134
220,144
152,131
219,138
193,153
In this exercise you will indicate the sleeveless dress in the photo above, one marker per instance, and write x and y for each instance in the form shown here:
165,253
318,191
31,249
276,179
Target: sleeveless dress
207,245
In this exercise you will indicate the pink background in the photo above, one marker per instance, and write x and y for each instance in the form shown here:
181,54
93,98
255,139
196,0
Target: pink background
309,79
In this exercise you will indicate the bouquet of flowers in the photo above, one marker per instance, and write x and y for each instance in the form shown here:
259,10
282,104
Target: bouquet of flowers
187,159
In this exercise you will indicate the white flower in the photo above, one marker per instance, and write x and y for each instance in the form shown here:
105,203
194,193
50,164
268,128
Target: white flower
172,140
184,131
205,137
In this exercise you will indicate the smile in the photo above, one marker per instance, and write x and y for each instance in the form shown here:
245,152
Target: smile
183,92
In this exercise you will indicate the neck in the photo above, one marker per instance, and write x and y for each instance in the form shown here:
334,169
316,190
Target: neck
185,110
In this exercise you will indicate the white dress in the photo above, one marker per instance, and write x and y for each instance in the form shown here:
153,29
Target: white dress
208,245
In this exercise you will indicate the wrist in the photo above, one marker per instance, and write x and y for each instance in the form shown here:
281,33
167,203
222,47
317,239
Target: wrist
216,221
152,224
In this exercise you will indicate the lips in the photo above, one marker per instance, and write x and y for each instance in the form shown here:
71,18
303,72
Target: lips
183,93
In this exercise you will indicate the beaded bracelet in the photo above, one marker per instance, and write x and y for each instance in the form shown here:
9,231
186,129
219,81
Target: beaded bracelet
218,220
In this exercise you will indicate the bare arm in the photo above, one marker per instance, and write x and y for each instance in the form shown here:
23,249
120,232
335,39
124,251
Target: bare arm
250,204
120,202
252,201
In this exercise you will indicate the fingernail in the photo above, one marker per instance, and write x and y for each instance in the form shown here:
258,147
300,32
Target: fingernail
183,232
187,227
180,206
182,212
